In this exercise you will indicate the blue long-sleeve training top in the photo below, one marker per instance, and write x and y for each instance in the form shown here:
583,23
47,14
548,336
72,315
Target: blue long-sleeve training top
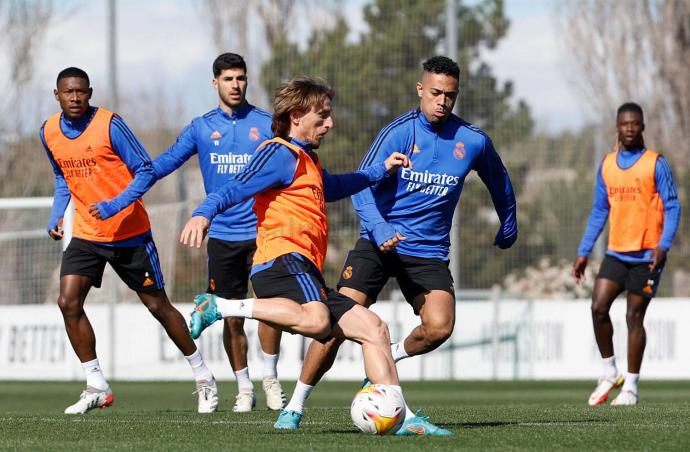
224,144
666,187
132,153
274,167
420,202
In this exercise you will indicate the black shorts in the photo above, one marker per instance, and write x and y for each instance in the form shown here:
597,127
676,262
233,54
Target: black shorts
296,278
229,264
137,266
367,270
634,277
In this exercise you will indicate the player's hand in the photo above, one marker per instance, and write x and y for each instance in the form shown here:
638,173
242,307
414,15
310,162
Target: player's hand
579,269
57,232
391,243
94,212
194,231
659,256
504,242
396,160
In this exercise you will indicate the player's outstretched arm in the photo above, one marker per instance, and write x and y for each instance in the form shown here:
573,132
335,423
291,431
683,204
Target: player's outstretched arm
273,166
339,186
666,187
133,154
177,154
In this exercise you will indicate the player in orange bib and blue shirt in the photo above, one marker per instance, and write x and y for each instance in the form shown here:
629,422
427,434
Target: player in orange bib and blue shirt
636,193
100,165
290,190
224,140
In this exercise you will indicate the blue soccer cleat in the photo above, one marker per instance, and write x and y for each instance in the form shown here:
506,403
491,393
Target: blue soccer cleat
366,383
288,420
420,425
204,314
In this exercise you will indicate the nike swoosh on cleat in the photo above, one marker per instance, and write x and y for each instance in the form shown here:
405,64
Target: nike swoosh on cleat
416,430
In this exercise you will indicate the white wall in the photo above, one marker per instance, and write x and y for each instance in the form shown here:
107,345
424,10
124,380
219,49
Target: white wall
541,340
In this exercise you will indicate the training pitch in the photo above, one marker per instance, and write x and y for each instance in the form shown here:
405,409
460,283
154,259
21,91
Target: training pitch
483,415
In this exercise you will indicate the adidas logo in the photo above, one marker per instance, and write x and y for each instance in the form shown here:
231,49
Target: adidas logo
89,149
147,282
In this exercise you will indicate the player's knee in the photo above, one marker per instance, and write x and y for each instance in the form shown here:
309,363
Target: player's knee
235,324
600,312
634,319
437,332
156,307
69,306
379,334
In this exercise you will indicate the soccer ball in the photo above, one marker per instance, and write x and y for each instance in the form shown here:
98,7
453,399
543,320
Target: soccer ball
378,409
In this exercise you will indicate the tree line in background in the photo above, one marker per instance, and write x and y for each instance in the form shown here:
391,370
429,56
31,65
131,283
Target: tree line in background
374,69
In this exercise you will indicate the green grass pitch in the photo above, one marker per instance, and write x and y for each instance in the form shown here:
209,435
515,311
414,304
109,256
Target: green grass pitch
484,415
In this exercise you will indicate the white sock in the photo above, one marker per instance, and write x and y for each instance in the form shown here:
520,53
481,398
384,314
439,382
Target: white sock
610,369
244,383
94,375
398,351
408,412
270,365
631,381
199,367
299,397
235,308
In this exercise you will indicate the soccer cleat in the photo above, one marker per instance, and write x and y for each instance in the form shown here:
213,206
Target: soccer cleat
603,389
89,399
420,425
245,401
625,398
288,420
208,396
275,397
204,314
366,383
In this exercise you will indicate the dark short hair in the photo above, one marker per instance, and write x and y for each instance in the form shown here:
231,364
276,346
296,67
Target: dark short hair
73,72
226,61
442,65
301,95
632,107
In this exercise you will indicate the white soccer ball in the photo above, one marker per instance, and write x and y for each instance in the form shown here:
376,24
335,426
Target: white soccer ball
378,409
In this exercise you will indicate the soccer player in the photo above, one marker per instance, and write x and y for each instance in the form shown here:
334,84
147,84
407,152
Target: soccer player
635,191
102,167
290,190
225,139
406,221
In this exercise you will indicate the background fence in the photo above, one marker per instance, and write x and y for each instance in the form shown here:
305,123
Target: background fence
371,52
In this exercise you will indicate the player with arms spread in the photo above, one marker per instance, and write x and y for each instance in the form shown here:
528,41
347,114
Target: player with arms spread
224,139
636,193
406,222
102,167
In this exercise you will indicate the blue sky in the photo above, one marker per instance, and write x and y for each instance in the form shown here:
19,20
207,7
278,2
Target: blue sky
166,53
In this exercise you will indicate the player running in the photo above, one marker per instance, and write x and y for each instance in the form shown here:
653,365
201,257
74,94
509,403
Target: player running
290,190
224,139
635,191
102,167
405,226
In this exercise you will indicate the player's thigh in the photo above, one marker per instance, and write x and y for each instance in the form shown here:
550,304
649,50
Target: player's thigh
609,283
139,267
427,283
363,274
229,264
642,281
361,325
82,258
